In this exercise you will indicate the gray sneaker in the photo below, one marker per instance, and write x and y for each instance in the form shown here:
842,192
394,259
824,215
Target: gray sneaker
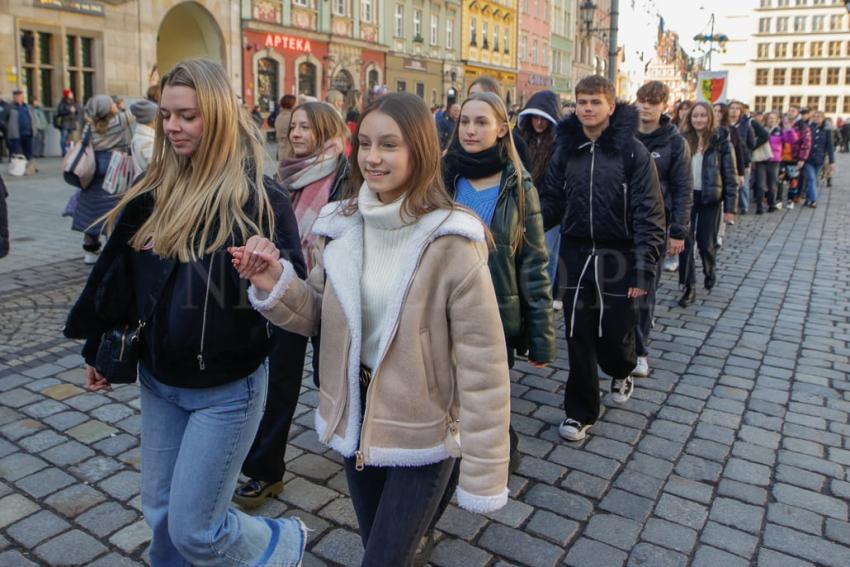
621,390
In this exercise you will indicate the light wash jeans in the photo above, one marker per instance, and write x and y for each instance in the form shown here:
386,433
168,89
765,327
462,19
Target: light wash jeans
744,194
193,443
811,173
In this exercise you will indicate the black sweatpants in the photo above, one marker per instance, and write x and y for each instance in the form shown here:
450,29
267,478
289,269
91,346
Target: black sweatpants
767,173
646,310
601,321
705,223
265,460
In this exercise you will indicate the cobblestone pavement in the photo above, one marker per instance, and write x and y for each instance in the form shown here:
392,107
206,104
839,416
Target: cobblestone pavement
735,452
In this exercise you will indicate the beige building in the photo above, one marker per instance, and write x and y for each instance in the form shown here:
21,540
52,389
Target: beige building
116,47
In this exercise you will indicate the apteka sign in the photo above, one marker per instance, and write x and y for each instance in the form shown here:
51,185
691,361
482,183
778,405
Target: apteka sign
275,40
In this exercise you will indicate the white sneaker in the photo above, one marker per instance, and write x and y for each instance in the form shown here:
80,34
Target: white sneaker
790,205
720,242
572,430
90,258
558,305
641,368
671,264
621,390
779,206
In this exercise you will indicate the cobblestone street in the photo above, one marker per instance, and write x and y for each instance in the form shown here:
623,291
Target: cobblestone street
735,452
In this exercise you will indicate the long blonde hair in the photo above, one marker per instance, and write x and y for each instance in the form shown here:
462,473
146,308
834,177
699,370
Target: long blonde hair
203,201
508,153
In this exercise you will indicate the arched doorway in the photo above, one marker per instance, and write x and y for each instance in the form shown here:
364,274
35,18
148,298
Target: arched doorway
188,30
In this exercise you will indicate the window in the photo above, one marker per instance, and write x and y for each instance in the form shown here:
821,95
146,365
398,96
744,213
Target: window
340,7
450,31
79,59
307,79
302,3
761,77
816,49
798,49
485,35
830,105
835,22
783,3
782,24
814,76
762,50
813,101
399,20
779,76
435,21
268,78
777,102
799,23
400,86
495,38
818,23
37,48
795,100
765,4
764,25
366,10
534,58
832,74
524,6
420,90
373,79
760,104
473,31
797,76
267,10
847,75
507,43
846,108
417,24
834,48
781,50
523,48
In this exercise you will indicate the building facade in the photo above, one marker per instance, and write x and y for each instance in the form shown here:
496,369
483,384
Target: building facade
638,37
308,47
562,33
118,47
423,40
800,55
591,45
671,66
534,49
489,44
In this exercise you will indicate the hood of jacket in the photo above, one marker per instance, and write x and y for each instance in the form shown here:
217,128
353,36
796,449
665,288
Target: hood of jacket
660,135
616,137
543,104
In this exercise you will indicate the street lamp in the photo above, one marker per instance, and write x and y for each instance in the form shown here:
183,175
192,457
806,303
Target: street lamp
587,11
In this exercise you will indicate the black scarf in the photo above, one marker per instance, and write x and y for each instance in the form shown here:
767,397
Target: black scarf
459,162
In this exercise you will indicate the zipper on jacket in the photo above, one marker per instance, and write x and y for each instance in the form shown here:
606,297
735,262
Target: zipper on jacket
592,168
201,364
626,208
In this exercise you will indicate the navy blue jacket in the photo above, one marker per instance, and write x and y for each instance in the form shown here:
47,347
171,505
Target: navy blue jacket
822,146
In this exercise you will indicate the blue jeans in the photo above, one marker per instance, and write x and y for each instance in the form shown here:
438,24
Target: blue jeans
744,194
65,139
810,171
553,246
193,442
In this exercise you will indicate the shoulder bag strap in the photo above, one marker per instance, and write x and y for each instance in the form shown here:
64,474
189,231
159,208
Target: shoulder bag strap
153,298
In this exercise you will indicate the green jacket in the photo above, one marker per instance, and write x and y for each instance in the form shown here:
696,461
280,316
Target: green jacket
521,280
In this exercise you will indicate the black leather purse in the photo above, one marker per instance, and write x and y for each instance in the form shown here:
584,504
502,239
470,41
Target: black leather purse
117,356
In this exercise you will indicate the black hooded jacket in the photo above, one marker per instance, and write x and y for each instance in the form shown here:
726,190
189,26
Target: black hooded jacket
719,172
673,163
607,192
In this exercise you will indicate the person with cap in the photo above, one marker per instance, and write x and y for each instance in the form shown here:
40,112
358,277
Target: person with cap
142,145
20,126
68,118
110,131
536,125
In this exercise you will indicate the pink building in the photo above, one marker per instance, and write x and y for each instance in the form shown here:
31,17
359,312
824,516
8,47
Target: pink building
533,49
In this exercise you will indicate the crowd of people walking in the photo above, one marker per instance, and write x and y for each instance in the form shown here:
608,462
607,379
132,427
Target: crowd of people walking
421,257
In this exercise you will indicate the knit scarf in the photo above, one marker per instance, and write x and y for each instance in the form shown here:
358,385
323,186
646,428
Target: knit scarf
309,182
459,162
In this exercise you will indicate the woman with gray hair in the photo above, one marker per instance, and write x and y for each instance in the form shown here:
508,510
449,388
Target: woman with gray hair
109,130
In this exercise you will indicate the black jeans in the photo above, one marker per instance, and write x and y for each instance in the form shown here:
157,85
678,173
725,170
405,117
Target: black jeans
265,460
767,173
705,222
646,309
601,321
394,506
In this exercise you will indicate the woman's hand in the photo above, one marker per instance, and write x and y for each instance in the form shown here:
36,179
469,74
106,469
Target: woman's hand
259,265
95,381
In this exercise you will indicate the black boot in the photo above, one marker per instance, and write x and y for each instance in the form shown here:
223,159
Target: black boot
710,281
688,297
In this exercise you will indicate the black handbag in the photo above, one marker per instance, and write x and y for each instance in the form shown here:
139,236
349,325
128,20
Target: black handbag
117,357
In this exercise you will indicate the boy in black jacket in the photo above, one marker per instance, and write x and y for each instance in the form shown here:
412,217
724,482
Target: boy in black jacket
603,189
673,163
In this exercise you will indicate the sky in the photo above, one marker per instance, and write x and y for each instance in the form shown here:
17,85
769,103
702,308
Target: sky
686,17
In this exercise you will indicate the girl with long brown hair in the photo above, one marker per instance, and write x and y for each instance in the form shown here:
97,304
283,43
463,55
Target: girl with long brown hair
413,358
715,184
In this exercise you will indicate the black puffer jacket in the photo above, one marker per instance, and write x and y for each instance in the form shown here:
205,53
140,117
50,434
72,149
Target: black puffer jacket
719,173
673,163
607,191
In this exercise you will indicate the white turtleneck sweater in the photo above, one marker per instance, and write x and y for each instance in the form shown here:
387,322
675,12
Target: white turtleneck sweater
386,240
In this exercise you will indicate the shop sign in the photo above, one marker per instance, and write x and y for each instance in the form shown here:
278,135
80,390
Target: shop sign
80,6
288,42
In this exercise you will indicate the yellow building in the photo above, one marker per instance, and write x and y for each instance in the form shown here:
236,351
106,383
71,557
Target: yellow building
488,43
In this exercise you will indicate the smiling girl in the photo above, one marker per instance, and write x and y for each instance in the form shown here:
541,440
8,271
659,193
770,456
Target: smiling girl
413,362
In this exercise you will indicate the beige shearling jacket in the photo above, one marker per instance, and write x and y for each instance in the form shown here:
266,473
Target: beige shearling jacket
441,387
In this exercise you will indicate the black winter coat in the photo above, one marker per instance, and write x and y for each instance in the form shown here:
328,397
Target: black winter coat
719,176
747,137
237,339
607,192
673,163
822,146
521,279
